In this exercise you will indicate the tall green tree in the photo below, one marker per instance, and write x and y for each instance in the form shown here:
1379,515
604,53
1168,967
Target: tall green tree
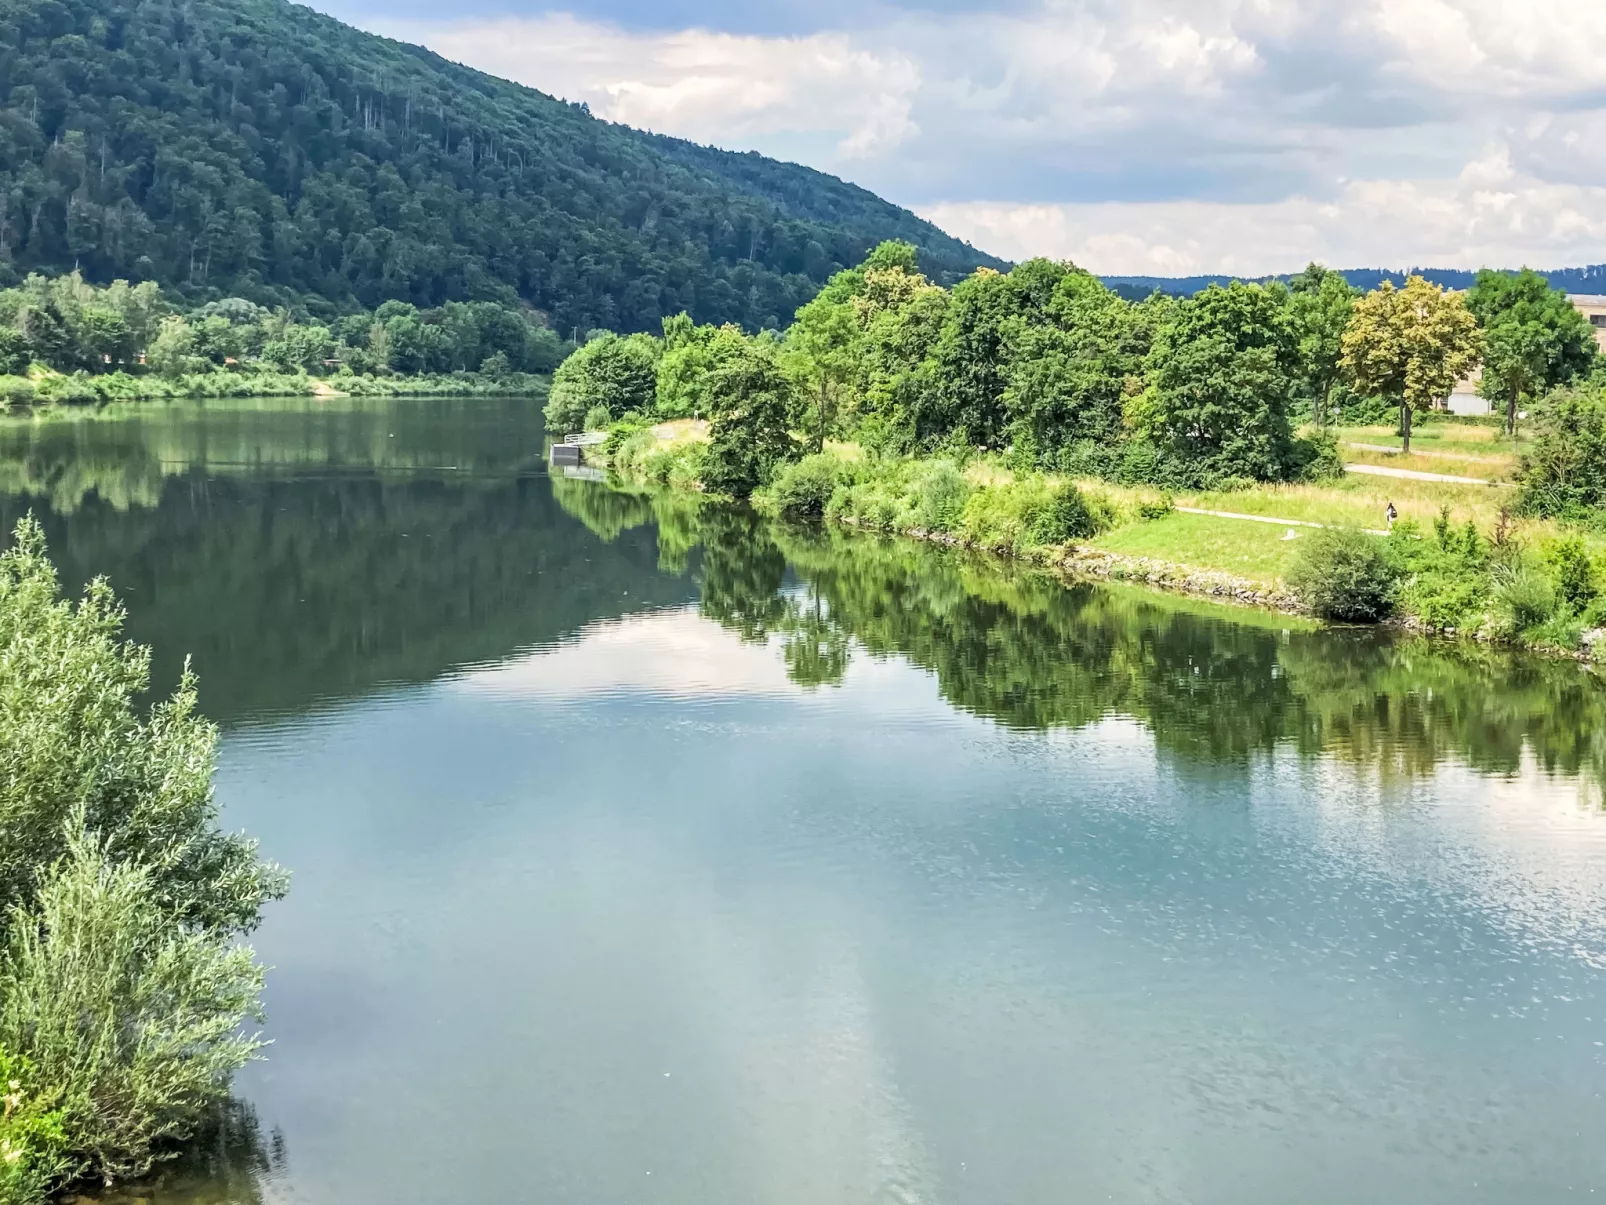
753,401
1411,344
971,362
822,355
1221,375
1320,303
691,353
1072,372
1534,339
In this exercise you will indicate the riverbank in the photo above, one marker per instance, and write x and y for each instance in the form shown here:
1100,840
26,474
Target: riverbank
52,388
1457,562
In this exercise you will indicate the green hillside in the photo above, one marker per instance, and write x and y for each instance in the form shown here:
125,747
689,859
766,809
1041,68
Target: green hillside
259,149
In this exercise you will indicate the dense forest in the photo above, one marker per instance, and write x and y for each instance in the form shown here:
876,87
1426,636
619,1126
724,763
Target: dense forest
258,149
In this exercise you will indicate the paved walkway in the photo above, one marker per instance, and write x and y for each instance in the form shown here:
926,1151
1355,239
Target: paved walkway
1378,470
1227,514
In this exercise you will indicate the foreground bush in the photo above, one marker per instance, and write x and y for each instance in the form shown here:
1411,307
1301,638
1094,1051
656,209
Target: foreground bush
132,1020
1343,574
1444,578
71,737
120,987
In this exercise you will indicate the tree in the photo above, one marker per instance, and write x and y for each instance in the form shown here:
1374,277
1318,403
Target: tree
1222,371
753,401
821,353
1320,302
973,356
1411,344
690,354
172,352
1534,339
1070,375
305,348
619,373
15,351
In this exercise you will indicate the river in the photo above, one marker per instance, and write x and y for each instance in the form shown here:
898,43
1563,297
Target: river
649,854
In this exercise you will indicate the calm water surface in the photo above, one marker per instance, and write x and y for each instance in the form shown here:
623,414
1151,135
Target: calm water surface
648,855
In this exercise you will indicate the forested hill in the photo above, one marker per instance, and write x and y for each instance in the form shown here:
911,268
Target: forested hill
1591,279
259,149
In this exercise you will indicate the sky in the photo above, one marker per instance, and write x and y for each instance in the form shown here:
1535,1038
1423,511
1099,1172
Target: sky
1134,137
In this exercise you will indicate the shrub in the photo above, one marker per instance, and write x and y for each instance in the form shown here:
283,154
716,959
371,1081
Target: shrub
33,1142
1156,508
117,982
620,433
1446,577
16,391
937,496
1523,600
1564,473
132,1019
70,735
597,418
1574,572
1066,517
1343,574
802,489
1317,458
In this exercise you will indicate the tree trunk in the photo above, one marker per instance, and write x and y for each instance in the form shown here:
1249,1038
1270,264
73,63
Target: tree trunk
1511,415
1405,427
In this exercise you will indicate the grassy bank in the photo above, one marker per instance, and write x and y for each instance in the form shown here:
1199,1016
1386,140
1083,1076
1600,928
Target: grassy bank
1457,561
54,388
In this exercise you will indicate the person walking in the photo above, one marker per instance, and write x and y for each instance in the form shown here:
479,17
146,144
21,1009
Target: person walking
1391,514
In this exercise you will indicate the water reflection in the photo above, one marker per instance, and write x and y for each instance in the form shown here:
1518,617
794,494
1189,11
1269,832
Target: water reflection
231,1162
1033,652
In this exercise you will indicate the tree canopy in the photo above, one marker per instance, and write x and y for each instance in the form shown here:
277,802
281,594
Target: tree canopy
1411,345
1534,338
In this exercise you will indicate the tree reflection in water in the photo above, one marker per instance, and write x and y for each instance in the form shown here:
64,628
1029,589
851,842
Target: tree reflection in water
1032,652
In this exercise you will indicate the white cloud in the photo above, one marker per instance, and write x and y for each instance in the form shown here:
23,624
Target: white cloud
698,84
1487,215
673,653
1145,135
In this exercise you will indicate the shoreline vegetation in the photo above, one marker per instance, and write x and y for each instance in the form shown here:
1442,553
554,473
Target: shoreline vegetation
64,341
127,1000
1204,445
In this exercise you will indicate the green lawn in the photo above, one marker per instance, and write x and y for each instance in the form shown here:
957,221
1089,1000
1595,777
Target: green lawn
1258,551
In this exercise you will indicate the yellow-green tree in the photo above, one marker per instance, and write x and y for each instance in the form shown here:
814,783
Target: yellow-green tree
1411,344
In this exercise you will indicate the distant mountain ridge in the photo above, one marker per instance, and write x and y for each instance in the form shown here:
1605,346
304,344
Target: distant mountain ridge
258,148
1587,280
